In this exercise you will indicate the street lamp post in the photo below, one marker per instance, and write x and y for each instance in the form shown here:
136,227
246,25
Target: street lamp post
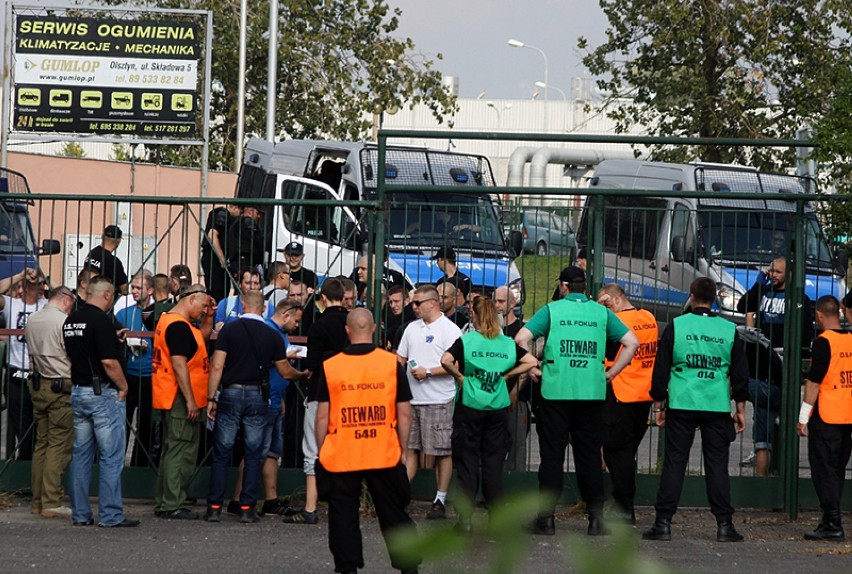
518,44
544,86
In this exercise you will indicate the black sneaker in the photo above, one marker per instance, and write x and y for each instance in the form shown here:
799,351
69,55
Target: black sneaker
437,512
234,507
274,506
302,517
213,514
248,515
179,514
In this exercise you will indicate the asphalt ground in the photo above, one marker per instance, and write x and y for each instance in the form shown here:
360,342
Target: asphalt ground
31,543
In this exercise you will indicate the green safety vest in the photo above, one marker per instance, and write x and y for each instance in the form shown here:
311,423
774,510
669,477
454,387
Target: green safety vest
574,353
485,361
701,360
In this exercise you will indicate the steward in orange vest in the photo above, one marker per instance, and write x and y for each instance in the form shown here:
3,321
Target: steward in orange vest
362,426
628,399
180,369
826,415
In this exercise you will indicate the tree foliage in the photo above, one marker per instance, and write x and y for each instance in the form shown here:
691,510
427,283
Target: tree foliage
338,62
721,68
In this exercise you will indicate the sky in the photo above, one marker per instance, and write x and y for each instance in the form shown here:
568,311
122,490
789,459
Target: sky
472,35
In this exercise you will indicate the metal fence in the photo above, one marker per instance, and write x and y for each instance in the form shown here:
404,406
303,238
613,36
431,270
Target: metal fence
726,224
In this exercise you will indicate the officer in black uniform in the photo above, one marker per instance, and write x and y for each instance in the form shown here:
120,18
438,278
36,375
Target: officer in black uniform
826,416
697,355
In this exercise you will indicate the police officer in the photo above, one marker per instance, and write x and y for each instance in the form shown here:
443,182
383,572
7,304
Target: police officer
826,416
700,366
481,362
354,446
628,399
573,389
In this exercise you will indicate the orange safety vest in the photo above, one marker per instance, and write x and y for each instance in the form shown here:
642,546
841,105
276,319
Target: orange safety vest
163,381
835,390
362,412
633,383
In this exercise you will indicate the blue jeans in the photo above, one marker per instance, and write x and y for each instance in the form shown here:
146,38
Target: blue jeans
98,424
767,406
237,407
273,439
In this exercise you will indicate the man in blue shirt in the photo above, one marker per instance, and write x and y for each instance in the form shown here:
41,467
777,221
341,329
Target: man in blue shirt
231,308
138,354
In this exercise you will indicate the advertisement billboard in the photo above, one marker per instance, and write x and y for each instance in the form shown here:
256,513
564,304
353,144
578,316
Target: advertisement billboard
103,75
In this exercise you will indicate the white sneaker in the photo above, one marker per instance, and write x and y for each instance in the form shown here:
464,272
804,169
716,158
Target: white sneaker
57,512
748,461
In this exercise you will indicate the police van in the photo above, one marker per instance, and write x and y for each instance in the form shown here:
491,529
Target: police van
417,224
654,247
18,249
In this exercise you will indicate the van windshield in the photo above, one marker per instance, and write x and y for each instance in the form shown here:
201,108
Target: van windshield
757,237
15,235
464,221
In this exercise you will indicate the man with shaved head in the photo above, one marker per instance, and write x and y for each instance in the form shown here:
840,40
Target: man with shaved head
362,426
245,350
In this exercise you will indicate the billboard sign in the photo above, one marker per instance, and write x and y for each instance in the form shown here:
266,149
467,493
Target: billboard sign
133,77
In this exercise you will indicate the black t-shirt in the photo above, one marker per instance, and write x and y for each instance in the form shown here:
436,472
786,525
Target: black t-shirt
326,338
457,351
105,263
220,220
460,280
512,330
89,336
252,346
306,276
245,243
460,318
403,391
181,340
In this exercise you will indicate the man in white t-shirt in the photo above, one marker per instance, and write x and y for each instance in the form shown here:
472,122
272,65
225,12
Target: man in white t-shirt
432,389
29,298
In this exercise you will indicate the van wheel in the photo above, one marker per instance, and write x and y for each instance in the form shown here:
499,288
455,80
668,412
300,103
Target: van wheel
541,248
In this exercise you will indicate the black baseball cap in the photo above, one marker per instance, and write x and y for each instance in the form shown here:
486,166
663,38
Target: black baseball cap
293,248
581,254
445,253
112,231
572,274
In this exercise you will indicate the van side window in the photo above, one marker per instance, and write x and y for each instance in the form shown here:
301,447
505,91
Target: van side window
682,226
632,226
317,221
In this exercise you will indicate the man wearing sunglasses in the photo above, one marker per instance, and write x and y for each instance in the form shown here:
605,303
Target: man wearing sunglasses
432,389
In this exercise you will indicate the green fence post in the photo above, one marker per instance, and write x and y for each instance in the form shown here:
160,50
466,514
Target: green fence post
791,392
597,255
378,216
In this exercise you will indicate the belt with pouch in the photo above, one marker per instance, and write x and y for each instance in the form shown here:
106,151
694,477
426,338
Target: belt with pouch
57,384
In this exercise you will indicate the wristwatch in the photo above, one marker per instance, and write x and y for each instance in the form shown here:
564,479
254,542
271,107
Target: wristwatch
428,372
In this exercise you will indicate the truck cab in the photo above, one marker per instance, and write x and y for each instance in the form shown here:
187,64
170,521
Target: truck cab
417,224
18,248
654,247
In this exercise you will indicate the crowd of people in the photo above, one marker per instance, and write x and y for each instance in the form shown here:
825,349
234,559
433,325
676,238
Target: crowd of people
451,385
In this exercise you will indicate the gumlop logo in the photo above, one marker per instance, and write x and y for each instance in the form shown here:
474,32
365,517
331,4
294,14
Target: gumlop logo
29,65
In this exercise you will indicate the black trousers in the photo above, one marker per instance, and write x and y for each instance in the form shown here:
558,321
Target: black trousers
717,434
624,427
581,420
146,451
829,448
216,278
20,406
294,428
391,493
480,441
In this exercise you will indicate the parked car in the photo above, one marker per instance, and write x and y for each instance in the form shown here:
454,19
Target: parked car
544,232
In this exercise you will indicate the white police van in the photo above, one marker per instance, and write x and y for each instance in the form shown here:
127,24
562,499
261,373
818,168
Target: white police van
654,247
418,224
